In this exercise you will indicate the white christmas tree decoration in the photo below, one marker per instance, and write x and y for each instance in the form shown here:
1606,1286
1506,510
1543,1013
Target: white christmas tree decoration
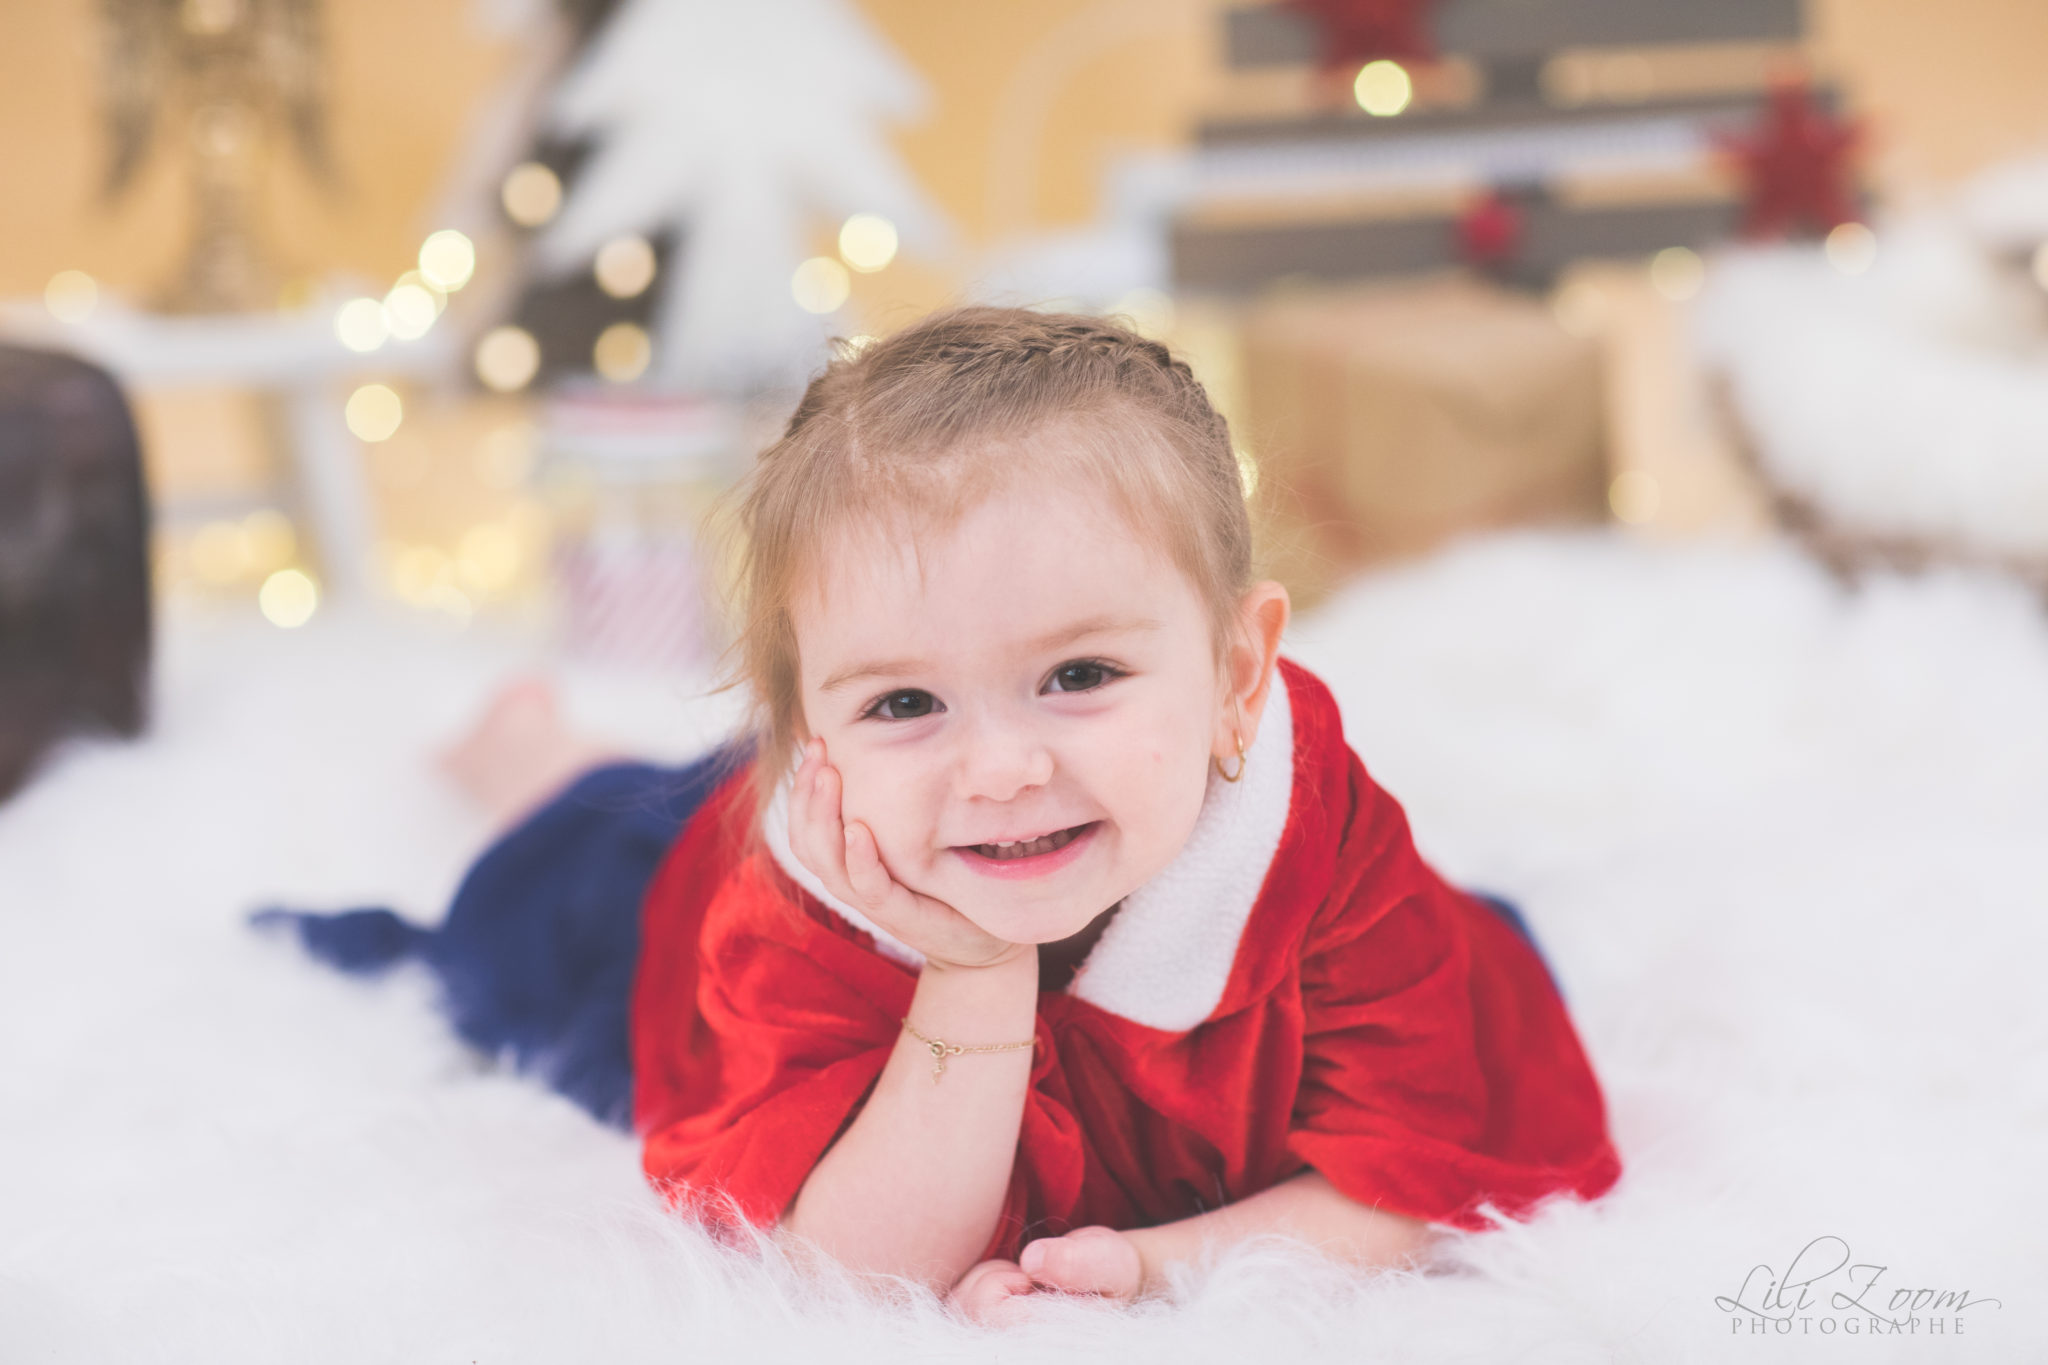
750,130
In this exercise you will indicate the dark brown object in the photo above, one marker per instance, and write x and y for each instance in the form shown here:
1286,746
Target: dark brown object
1236,258
74,560
1271,35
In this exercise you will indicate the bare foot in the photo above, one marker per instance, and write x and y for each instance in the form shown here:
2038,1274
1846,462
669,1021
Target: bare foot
520,752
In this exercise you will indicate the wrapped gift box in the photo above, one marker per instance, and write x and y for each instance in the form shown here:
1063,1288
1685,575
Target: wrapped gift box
1387,419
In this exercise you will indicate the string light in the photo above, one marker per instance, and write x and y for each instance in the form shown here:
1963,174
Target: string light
531,194
1677,272
625,267
1383,88
1580,309
288,599
1247,473
416,570
71,295
267,540
507,358
220,553
1634,496
374,412
820,285
505,457
1851,248
1150,311
361,325
447,260
622,352
410,308
489,557
867,242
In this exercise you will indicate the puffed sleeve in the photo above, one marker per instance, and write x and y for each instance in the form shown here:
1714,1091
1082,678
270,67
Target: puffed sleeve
758,1034
1440,1072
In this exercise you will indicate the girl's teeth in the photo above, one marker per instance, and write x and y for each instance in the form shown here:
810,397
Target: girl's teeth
1028,848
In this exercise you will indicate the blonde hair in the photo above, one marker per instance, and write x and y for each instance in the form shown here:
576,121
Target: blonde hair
916,429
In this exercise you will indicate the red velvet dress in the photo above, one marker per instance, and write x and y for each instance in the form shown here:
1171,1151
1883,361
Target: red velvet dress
1300,989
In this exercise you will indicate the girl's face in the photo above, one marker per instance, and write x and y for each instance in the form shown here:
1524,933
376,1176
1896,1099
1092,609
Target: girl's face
1043,680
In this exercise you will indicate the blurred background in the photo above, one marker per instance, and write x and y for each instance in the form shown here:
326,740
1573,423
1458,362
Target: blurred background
465,309
1646,401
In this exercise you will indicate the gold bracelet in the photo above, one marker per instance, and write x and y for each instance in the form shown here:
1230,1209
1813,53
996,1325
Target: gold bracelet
943,1050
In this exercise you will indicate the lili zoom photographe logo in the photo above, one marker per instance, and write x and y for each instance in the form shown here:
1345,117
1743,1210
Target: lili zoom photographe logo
1824,1291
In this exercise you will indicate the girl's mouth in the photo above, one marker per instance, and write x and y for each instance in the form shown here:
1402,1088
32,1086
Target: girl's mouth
1029,857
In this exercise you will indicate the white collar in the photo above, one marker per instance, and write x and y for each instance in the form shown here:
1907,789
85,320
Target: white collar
1165,958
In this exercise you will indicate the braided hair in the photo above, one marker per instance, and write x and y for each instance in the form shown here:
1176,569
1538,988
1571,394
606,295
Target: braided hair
911,431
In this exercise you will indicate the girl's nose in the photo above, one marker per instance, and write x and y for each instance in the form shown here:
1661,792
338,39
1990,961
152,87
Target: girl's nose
999,761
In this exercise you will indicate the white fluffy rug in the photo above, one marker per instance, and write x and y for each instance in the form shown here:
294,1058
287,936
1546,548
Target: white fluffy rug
1787,846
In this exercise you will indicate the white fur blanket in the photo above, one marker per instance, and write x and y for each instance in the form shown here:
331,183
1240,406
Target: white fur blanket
1787,846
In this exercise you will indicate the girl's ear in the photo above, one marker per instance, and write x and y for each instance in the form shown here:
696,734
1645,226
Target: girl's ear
1262,618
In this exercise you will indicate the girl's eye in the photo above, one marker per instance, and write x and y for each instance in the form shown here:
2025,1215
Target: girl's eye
1083,675
908,704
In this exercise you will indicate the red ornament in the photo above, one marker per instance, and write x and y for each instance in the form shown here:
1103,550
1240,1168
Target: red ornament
1355,32
1489,231
1795,166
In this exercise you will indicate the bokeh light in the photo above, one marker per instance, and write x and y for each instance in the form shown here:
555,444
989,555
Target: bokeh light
288,599
268,541
1677,272
624,267
622,352
1580,308
1247,473
507,358
2041,265
1851,248
71,295
410,309
448,260
532,194
867,242
821,285
1634,496
488,559
1383,88
505,457
374,413
220,553
1150,312
361,325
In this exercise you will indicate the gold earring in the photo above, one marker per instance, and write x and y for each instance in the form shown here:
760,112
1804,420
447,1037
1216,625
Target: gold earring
1217,763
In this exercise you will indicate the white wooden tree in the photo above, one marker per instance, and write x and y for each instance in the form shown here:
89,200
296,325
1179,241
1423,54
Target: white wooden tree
746,126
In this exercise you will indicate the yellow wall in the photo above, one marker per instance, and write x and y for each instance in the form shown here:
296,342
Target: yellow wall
1064,81
404,76
1946,89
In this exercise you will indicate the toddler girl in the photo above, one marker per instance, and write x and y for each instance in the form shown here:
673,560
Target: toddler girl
1043,929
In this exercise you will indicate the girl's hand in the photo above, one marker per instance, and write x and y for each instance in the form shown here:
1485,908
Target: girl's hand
994,1294
1096,1260
844,856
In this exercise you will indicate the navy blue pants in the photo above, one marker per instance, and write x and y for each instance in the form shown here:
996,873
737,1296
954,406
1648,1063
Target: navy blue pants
536,955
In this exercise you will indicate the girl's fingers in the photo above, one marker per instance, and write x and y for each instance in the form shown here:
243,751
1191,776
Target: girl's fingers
993,1293
864,871
1093,1260
830,841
